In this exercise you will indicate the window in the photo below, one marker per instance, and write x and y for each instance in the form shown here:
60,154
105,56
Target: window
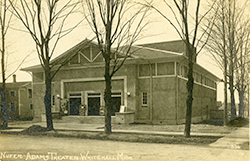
29,93
183,71
93,94
198,78
144,99
165,68
31,106
53,100
144,70
116,94
12,107
12,93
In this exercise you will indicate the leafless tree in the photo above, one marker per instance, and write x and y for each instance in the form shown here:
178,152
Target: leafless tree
225,44
241,66
5,19
116,32
217,45
188,27
45,21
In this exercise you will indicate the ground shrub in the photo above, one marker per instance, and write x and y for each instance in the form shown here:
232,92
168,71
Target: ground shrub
238,122
34,129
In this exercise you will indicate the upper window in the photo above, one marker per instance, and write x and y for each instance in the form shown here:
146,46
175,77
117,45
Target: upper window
75,94
12,93
29,93
165,68
144,70
183,71
116,94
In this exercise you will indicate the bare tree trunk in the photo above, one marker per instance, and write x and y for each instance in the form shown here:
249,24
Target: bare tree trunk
3,89
3,105
225,92
47,98
241,103
231,88
190,85
108,105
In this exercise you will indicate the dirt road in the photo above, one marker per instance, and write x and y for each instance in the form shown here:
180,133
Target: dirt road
37,148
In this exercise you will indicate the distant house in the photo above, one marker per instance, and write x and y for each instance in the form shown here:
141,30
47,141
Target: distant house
151,83
19,99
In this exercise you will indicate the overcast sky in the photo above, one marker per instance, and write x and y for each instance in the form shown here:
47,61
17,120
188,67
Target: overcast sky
20,44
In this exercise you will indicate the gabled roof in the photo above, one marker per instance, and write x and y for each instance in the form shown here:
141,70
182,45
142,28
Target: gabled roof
11,85
143,51
66,55
151,53
83,44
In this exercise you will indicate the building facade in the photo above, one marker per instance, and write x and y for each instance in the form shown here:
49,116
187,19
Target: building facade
151,83
19,99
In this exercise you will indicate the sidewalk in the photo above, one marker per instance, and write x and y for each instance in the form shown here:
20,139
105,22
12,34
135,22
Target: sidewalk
234,139
97,128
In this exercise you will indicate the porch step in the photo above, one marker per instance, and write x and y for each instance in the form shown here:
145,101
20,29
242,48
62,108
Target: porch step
84,119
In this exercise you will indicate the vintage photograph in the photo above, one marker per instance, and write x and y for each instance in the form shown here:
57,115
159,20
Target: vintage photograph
141,80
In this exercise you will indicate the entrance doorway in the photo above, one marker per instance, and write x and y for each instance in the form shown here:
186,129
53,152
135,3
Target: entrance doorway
94,102
116,102
74,105
75,100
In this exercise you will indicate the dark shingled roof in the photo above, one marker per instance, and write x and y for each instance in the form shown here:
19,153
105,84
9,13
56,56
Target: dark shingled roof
11,85
174,46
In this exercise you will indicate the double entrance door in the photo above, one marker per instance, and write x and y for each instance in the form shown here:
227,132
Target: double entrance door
93,103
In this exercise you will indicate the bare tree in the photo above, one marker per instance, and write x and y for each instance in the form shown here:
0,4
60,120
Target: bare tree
115,34
5,18
217,45
226,43
188,26
241,66
45,21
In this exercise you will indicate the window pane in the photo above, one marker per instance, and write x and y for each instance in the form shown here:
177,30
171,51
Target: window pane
53,100
165,68
144,70
144,98
12,93
29,93
92,94
118,94
77,94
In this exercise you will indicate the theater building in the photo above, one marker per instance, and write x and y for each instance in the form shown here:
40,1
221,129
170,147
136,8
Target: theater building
151,84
